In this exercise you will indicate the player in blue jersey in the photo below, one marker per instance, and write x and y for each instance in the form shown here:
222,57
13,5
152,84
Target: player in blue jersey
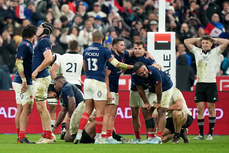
71,97
113,74
135,100
95,59
157,82
42,58
22,82
73,103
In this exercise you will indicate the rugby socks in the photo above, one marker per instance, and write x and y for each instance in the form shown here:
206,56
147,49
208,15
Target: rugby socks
49,134
159,134
104,134
18,130
21,135
83,120
201,126
137,134
109,133
211,124
150,135
44,134
98,126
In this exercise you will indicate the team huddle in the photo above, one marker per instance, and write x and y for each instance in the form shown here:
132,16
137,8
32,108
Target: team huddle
88,115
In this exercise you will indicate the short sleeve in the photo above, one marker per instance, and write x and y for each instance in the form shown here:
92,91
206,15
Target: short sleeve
66,94
195,49
21,52
156,75
136,80
58,60
45,45
108,54
218,50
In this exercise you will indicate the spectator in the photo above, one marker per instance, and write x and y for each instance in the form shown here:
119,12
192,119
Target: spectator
8,50
125,36
5,80
56,48
181,50
64,11
49,17
36,15
225,9
98,24
225,65
215,20
97,11
78,22
153,26
66,24
185,76
82,11
85,35
68,36
184,32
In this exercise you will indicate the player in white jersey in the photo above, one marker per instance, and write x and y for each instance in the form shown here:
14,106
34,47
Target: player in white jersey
206,88
71,64
179,118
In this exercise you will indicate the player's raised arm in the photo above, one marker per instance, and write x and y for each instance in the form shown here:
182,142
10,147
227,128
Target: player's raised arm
118,64
222,42
190,42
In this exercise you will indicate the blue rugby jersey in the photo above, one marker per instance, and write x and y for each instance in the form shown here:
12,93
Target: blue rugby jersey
69,90
116,72
155,76
143,59
41,46
96,57
25,52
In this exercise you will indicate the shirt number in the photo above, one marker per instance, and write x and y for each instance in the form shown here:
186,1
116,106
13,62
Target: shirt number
92,64
72,67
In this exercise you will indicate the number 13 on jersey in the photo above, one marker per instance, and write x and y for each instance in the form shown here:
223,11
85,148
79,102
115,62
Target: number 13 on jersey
92,64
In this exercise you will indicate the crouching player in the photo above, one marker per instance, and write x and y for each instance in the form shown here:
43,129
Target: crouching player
179,118
71,98
73,103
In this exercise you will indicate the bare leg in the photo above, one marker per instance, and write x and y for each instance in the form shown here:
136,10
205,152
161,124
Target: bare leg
27,109
45,117
19,111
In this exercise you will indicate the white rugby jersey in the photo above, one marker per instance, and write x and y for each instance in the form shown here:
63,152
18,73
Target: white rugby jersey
206,64
71,64
177,95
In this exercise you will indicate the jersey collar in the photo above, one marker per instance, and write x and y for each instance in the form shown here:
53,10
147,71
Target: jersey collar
205,52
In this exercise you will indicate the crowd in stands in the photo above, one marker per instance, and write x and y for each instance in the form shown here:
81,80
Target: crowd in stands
127,19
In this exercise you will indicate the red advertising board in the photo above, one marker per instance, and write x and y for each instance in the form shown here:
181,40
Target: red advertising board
123,123
125,80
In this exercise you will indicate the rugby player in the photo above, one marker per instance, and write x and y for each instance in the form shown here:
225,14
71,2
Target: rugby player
157,82
95,59
206,88
42,58
22,82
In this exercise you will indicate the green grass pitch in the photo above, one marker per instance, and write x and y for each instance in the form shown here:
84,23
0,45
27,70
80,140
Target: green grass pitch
8,144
